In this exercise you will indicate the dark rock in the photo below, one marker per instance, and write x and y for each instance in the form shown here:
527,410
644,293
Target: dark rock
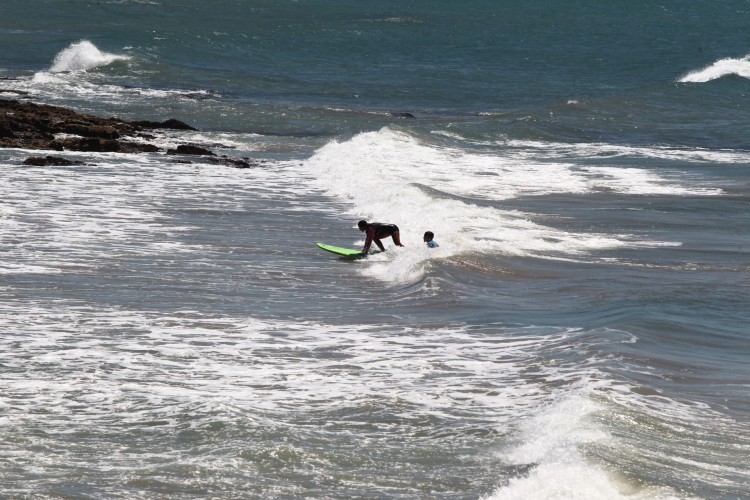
47,161
102,132
94,144
11,91
403,115
236,162
33,126
170,124
190,149
27,125
176,125
6,131
139,147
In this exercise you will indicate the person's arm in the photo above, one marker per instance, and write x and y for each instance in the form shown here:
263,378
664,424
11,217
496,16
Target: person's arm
380,245
370,232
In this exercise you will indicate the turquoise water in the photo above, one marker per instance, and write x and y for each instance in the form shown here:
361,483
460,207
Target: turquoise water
170,330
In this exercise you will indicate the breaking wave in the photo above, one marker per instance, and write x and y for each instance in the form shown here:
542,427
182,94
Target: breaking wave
719,69
83,56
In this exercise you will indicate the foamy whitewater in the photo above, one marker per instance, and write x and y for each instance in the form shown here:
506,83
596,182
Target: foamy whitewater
82,56
719,69
168,328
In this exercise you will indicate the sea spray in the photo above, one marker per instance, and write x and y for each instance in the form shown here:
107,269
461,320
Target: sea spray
719,69
83,56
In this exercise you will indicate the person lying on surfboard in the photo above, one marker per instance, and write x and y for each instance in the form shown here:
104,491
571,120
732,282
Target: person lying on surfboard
377,231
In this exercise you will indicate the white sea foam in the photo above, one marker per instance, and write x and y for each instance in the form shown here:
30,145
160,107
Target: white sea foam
119,357
389,176
659,185
83,56
553,442
118,368
80,84
70,77
719,69
150,357
80,216
96,366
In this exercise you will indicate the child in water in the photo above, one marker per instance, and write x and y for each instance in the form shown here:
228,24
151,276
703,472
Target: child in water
428,239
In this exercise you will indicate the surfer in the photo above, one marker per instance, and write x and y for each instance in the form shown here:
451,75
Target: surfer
428,239
376,231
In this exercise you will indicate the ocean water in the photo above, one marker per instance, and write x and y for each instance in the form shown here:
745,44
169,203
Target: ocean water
170,330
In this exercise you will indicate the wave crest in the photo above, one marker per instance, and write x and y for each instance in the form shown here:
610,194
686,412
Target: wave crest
721,68
82,56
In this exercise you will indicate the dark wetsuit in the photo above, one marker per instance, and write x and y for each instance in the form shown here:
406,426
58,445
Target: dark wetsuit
377,231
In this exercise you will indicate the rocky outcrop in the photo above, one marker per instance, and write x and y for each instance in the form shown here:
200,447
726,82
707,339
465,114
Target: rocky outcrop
171,123
47,161
34,126
26,125
189,149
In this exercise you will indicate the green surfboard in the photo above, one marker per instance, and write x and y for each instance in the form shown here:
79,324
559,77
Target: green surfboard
349,253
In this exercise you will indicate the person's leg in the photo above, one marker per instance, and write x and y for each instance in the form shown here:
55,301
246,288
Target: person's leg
397,238
380,245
